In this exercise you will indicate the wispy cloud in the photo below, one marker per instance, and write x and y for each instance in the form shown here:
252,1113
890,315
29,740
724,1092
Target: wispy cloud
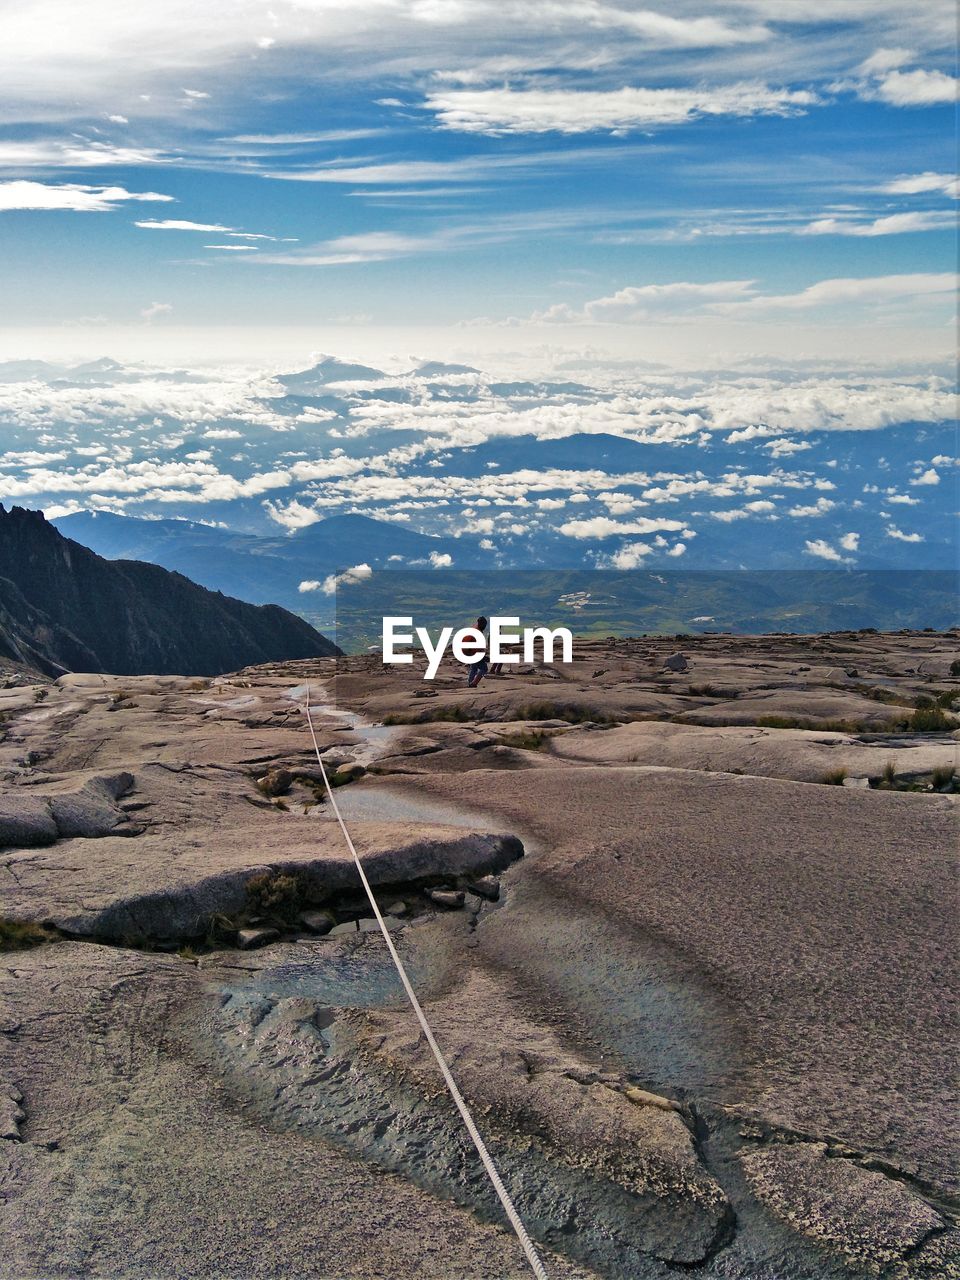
882,78
890,225
637,303
76,197
180,224
76,153
922,184
571,111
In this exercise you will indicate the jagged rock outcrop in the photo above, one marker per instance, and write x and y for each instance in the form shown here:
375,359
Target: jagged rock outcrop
63,608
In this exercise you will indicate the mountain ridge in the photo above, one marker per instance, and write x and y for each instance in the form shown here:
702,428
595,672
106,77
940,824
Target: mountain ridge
65,608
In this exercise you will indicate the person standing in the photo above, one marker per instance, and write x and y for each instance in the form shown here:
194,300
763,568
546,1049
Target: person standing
478,669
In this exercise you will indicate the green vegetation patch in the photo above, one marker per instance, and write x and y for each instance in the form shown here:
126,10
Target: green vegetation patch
21,935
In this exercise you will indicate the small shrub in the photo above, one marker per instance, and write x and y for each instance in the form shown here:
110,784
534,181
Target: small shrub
705,691
835,777
20,935
573,715
890,772
275,895
41,694
930,719
525,741
454,713
944,777
955,668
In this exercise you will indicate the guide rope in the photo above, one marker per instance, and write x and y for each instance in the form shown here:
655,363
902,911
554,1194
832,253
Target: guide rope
504,1196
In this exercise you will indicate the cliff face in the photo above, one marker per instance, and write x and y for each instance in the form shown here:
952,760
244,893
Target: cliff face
64,608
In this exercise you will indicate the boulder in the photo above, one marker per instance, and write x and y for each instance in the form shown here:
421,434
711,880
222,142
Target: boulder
452,899
486,887
319,922
247,939
276,783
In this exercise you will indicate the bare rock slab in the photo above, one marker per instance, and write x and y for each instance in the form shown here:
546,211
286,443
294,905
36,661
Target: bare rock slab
867,1217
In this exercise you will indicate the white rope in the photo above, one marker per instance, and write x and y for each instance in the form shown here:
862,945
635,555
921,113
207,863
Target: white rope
515,1220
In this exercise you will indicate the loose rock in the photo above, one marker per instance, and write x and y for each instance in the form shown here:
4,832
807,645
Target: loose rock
452,899
248,939
486,887
276,783
317,921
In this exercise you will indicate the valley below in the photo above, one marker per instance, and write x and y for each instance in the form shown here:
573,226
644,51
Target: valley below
681,914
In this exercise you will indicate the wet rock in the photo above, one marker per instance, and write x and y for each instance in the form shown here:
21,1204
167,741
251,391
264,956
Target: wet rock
868,1218
486,887
277,782
452,899
319,922
248,939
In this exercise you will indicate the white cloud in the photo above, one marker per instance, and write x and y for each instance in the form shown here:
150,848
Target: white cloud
930,476
505,110
630,555
441,559
922,184
846,290
180,224
333,580
916,88
819,508
21,194
156,309
900,536
638,303
824,551
890,225
371,246
850,542
604,527
77,153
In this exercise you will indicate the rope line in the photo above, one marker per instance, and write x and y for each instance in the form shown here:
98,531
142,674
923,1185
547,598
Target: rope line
504,1196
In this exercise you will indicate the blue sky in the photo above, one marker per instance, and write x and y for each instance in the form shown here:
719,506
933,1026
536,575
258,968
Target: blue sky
697,258
516,173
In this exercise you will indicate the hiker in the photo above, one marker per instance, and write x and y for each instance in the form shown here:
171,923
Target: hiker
478,669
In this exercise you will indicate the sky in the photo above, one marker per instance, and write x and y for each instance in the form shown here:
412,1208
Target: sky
720,235
693,180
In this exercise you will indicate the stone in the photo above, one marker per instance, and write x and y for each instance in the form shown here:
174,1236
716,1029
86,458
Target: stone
317,921
676,662
871,1220
339,930
452,899
349,772
276,783
858,784
248,939
643,1098
486,887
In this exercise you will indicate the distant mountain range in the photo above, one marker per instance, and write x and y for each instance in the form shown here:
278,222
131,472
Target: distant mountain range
64,608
